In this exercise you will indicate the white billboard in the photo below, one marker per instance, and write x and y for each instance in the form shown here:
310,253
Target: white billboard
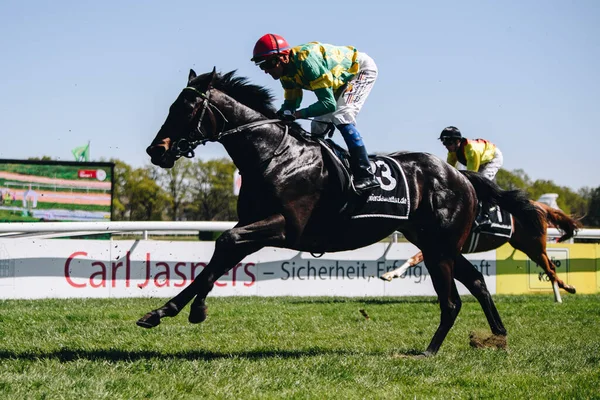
51,268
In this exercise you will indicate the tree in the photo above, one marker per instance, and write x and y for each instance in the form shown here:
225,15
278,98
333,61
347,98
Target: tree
568,201
212,197
176,181
511,181
120,200
147,200
136,195
592,218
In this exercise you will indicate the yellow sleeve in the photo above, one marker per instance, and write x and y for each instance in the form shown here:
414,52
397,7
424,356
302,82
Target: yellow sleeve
452,159
292,98
473,158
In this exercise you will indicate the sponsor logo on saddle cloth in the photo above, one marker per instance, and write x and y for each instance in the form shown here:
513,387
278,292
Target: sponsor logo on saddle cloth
391,199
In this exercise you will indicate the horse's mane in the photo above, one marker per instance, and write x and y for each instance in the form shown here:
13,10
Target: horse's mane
238,87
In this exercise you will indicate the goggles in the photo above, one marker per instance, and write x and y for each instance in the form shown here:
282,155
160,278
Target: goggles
268,63
447,142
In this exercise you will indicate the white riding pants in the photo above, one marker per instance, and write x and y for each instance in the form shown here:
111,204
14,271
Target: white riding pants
351,101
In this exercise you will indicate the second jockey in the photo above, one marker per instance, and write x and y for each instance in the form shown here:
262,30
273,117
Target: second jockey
477,155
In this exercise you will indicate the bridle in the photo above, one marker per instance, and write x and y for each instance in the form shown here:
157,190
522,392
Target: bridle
185,145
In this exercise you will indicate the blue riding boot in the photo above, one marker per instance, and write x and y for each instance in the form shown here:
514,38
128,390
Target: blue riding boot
364,180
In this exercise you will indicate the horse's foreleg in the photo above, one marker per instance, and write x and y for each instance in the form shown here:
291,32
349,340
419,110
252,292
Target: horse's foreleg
230,248
398,272
469,276
450,303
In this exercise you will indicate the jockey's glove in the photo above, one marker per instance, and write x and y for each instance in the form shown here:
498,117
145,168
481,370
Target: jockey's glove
286,115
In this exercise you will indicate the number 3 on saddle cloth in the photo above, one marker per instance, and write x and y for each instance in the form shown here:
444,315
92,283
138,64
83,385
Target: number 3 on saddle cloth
390,200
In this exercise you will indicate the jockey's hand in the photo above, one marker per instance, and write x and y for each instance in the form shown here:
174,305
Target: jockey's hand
286,115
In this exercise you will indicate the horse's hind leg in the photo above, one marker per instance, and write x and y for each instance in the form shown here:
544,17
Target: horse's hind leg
473,280
535,248
440,269
230,248
549,268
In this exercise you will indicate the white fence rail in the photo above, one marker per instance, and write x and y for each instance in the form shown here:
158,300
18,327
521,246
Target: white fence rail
58,229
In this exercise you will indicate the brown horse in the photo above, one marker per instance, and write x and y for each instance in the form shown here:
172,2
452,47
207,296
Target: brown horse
291,198
534,246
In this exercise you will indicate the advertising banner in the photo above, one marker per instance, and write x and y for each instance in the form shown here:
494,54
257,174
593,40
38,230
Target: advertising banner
576,265
47,268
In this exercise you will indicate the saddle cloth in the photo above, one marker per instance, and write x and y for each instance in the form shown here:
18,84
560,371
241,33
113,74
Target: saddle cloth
390,199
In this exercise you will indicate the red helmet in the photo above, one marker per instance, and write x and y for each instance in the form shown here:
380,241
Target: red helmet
269,44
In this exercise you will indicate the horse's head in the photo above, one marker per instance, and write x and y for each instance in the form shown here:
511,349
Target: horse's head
191,121
198,115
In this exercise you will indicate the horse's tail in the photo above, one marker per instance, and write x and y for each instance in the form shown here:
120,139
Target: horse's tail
515,202
563,222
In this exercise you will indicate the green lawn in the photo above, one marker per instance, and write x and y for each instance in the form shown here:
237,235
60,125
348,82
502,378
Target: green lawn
315,348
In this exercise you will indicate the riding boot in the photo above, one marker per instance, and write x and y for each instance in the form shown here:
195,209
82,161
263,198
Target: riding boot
364,180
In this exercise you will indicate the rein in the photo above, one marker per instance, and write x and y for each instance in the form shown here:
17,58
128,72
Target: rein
184,146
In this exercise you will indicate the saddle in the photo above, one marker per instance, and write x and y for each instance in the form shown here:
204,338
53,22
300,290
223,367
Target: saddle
488,237
501,221
338,159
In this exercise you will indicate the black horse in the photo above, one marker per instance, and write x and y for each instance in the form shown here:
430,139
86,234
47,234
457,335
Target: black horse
290,197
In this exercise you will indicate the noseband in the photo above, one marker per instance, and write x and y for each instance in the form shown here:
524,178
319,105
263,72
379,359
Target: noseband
185,145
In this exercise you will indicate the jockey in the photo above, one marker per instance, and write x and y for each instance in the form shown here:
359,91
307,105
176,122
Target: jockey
477,155
341,78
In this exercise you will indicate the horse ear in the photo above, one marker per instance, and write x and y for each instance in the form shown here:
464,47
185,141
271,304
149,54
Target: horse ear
192,75
213,75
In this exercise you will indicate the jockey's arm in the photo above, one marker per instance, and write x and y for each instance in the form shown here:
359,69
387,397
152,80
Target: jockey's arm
292,95
473,158
452,159
325,104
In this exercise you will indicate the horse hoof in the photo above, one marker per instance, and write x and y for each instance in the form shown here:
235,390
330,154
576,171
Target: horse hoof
198,314
149,320
570,289
386,278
